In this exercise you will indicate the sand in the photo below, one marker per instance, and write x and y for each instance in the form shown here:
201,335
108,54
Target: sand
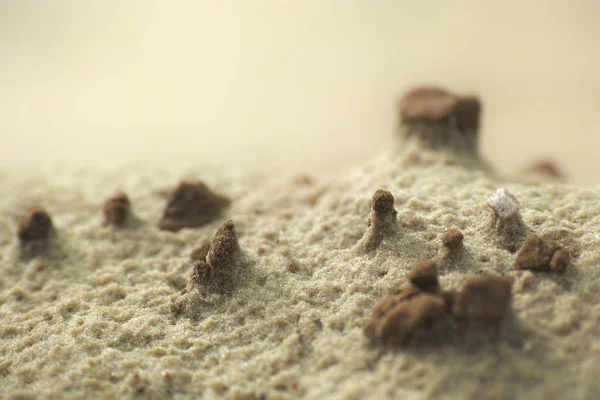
101,313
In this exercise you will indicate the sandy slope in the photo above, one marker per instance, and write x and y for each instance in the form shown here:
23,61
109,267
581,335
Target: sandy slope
94,317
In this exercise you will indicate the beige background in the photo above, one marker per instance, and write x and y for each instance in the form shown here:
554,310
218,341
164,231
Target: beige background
305,85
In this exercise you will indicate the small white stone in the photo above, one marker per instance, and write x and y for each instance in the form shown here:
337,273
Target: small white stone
504,203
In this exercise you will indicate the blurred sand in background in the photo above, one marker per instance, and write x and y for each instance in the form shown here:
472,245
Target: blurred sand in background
306,85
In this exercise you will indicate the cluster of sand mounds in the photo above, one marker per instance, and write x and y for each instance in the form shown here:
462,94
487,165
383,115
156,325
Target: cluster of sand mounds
276,287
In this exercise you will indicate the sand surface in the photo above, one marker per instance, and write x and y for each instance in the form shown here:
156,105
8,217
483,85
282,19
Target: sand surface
101,314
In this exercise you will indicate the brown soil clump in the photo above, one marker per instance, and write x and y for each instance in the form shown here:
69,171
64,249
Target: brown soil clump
222,262
382,221
546,168
116,209
36,224
396,318
224,247
427,103
191,205
399,326
539,255
441,118
452,239
486,297
423,274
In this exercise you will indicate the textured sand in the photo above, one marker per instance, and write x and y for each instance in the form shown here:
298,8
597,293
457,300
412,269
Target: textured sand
94,317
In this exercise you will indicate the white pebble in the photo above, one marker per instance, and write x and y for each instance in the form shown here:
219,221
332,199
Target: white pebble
504,204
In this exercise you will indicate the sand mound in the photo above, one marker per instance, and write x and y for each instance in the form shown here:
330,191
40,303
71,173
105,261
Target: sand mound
109,312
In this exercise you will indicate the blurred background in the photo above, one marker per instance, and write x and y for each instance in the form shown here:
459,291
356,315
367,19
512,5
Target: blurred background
305,85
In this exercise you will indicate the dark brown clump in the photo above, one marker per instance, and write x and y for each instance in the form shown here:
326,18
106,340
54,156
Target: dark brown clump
396,318
408,291
222,263
224,247
36,224
441,118
435,104
399,326
546,168
384,307
116,209
200,253
383,203
539,255
191,205
426,103
486,297
452,239
423,274
468,110
382,221
381,309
